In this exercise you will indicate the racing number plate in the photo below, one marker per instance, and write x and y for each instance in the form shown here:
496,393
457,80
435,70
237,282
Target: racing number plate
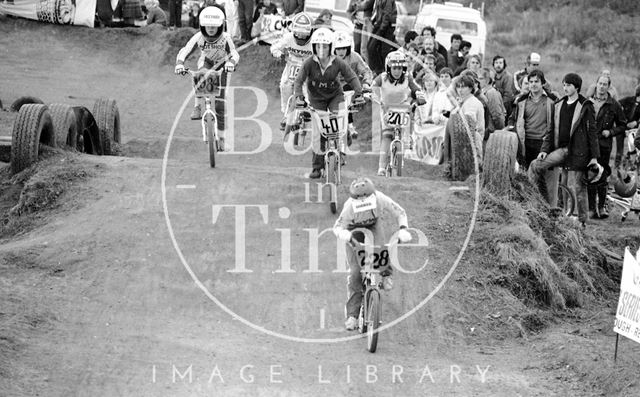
396,119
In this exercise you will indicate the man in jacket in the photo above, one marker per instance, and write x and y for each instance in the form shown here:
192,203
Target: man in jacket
631,107
292,7
383,18
503,82
572,143
532,118
610,122
496,118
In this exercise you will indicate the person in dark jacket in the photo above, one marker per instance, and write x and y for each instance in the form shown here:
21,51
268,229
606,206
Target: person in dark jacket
292,7
610,122
430,32
631,107
572,144
383,18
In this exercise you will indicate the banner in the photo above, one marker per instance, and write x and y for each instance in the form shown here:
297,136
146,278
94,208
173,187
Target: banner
428,145
62,12
271,27
628,313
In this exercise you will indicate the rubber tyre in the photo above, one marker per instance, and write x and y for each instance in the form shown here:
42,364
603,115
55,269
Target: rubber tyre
462,164
32,127
566,200
64,125
500,161
331,170
397,160
211,141
373,320
24,100
107,117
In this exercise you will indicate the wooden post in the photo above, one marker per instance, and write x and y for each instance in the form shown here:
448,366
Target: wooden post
615,353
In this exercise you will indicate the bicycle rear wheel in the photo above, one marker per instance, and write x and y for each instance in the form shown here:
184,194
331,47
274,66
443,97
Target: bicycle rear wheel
332,180
566,200
373,319
211,140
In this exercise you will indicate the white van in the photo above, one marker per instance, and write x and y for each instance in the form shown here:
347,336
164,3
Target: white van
450,18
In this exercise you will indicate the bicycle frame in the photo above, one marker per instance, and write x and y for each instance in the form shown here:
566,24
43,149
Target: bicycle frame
400,119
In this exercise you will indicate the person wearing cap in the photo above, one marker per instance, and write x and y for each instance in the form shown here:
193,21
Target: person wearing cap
532,118
383,18
631,107
610,122
572,143
532,63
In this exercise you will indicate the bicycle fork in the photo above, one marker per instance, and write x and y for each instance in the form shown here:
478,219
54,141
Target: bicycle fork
208,112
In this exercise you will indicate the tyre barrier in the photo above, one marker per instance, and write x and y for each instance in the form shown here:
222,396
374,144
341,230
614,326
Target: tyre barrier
462,164
24,100
107,117
500,161
32,127
87,139
64,124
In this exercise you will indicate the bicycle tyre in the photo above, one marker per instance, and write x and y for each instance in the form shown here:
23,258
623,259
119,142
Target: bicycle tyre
566,200
396,160
211,140
105,111
332,167
373,320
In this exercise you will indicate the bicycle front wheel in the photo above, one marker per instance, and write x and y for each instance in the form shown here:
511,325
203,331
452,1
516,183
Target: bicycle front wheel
373,319
332,180
396,159
566,200
211,140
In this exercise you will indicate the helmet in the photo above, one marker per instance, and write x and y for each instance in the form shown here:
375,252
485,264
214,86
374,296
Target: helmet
343,40
361,187
322,36
301,28
625,185
211,16
595,175
395,58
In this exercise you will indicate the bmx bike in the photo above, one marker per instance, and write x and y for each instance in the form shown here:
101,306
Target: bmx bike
207,84
369,318
332,126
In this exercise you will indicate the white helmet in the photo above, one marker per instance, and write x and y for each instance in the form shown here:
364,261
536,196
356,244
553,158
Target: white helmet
301,28
343,40
211,16
322,36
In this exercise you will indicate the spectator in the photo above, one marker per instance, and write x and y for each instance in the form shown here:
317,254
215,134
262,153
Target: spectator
470,105
383,18
245,19
411,37
430,32
292,7
465,47
531,63
503,82
413,57
428,47
175,14
532,118
130,11
610,122
324,19
454,56
446,74
264,7
427,65
442,105
357,17
572,143
496,118
430,88
155,13
631,107
366,6
612,90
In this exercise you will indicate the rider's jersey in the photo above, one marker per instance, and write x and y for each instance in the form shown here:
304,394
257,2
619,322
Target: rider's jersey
212,53
394,92
384,206
296,54
323,83
359,67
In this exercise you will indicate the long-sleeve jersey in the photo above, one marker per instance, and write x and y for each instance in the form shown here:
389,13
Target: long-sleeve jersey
384,206
296,54
211,52
324,83
359,67
394,92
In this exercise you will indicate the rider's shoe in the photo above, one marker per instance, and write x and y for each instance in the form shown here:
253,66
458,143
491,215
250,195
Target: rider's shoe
221,144
593,215
196,114
387,283
382,172
351,323
315,174
283,123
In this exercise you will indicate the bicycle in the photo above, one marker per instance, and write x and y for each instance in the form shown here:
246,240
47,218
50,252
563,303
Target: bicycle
400,119
333,127
371,306
566,196
207,84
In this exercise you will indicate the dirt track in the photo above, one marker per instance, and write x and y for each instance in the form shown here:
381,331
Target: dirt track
97,301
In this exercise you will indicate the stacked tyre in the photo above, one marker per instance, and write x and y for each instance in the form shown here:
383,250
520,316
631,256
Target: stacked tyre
32,127
500,161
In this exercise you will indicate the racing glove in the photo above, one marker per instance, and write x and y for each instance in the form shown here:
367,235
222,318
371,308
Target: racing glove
229,67
277,53
300,102
404,236
344,235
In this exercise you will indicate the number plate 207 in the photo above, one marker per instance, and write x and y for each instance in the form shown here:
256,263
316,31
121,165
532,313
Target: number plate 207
396,118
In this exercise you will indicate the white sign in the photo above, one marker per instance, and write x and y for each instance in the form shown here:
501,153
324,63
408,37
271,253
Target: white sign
628,313
428,144
61,12
272,27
